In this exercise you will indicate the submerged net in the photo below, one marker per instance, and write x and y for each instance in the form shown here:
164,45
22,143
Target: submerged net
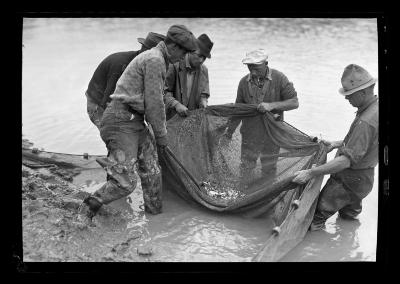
249,172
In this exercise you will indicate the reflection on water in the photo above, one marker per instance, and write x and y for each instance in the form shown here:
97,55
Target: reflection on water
60,56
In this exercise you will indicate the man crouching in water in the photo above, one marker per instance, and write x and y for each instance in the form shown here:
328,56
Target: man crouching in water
132,147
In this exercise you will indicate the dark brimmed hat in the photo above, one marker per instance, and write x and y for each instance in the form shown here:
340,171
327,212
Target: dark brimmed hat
205,45
151,40
181,35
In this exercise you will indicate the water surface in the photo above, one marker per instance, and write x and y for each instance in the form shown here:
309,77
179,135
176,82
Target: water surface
61,54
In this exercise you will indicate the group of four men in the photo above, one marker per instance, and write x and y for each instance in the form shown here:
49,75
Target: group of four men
167,77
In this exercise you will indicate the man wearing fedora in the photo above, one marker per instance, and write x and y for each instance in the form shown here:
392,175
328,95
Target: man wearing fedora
186,84
106,75
138,99
352,169
271,91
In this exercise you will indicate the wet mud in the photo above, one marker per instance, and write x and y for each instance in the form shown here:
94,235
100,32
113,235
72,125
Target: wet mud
122,231
51,231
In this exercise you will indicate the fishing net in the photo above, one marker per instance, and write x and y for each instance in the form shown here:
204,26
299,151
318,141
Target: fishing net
248,171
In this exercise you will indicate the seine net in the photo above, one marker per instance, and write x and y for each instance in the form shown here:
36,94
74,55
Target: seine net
231,158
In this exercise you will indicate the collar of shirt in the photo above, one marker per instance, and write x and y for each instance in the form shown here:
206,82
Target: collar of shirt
267,76
360,110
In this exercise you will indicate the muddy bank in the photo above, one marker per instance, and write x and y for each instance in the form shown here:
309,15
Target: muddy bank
51,232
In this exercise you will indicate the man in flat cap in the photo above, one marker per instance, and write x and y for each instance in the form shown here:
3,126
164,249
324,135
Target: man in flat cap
271,91
138,97
186,85
106,75
352,169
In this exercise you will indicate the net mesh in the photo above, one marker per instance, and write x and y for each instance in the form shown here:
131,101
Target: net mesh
249,171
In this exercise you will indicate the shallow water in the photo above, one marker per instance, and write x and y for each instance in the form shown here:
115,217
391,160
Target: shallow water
60,56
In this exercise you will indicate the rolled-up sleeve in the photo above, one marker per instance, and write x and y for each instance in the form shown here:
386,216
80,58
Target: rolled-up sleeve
153,96
357,144
287,89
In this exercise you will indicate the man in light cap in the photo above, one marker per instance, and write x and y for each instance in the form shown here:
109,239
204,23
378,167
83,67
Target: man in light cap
352,169
186,85
138,96
270,90
106,75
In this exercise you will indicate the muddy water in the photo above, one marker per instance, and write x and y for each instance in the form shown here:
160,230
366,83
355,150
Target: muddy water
185,232
60,55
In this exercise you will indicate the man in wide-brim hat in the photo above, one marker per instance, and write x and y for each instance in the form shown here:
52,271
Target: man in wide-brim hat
106,75
187,84
352,169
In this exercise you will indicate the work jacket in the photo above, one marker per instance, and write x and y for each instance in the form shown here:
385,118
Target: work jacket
176,86
143,81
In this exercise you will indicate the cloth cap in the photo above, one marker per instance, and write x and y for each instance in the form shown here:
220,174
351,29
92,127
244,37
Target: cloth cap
205,45
151,40
355,78
182,36
257,56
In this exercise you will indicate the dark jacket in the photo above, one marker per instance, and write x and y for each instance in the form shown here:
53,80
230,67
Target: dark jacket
175,87
106,75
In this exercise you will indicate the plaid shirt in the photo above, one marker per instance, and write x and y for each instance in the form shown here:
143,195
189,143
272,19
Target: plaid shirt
143,80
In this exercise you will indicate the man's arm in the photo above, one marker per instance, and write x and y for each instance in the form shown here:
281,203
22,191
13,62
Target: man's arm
288,96
282,105
170,79
332,144
153,98
336,165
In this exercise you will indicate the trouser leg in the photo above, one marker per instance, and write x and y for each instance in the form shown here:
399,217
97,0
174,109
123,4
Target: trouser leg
120,165
269,158
332,198
150,173
352,210
122,178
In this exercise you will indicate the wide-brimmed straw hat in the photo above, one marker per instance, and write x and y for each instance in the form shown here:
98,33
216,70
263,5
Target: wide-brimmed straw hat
355,78
151,40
